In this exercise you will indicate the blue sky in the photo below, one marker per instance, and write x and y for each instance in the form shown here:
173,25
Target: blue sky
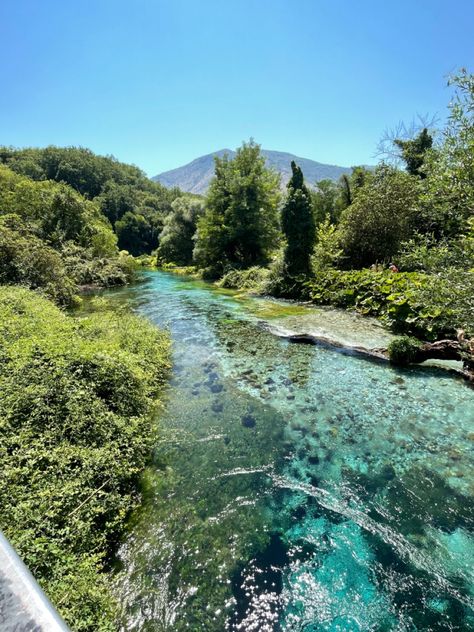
160,82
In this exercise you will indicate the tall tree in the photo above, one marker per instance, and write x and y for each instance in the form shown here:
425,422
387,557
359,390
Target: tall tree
414,150
177,237
298,225
239,228
381,216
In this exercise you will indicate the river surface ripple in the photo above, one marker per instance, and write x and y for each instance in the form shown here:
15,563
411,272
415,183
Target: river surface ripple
294,487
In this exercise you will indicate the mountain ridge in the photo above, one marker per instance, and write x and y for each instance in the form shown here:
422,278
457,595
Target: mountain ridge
195,176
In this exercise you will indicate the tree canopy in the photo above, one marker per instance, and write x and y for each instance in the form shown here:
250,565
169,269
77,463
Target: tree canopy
299,229
240,225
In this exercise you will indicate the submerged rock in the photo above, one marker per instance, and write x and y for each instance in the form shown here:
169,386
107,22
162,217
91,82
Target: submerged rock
248,421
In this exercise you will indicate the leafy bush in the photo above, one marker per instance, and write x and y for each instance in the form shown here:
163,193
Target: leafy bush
428,254
250,279
59,239
177,237
403,351
86,269
380,217
328,251
27,260
428,306
76,404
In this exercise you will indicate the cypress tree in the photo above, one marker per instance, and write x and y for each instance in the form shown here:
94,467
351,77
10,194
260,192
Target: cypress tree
298,226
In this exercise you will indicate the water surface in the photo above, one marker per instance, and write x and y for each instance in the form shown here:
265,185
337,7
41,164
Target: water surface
297,488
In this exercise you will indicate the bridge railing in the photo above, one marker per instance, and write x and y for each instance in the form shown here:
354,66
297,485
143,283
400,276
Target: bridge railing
23,605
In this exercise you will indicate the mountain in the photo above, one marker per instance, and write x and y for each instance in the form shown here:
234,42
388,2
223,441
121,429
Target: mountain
195,176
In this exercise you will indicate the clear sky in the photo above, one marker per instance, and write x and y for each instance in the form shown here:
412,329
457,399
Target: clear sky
160,82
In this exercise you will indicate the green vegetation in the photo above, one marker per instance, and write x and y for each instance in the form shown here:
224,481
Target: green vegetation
135,206
53,239
77,397
379,219
424,305
251,279
414,152
176,239
239,228
298,225
403,351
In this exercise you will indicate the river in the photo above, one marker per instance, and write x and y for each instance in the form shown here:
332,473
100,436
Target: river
295,487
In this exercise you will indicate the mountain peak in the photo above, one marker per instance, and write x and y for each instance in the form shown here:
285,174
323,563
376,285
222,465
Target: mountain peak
197,174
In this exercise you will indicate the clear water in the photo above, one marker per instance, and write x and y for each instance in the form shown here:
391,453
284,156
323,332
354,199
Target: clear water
295,487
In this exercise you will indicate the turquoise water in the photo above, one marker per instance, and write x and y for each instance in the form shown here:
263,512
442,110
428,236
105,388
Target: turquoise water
296,487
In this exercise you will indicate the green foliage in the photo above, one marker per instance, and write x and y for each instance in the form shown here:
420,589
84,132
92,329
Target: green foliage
239,228
414,151
448,192
428,254
116,188
331,198
428,306
27,260
59,239
177,237
325,200
132,232
327,252
380,218
76,404
403,351
298,226
251,279
86,269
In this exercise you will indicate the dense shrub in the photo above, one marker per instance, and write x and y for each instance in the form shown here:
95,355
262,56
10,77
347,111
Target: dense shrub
380,218
117,189
177,237
27,260
403,351
52,239
76,404
251,279
425,253
86,269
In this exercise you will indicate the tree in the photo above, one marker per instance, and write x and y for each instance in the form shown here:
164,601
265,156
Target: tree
414,151
380,218
132,232
448,199
239,228
298,226
325,200
177,237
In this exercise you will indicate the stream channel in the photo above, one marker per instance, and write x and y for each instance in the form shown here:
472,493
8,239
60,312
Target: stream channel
295,487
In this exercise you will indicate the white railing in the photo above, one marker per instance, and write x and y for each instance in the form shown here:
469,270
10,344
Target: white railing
23,605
